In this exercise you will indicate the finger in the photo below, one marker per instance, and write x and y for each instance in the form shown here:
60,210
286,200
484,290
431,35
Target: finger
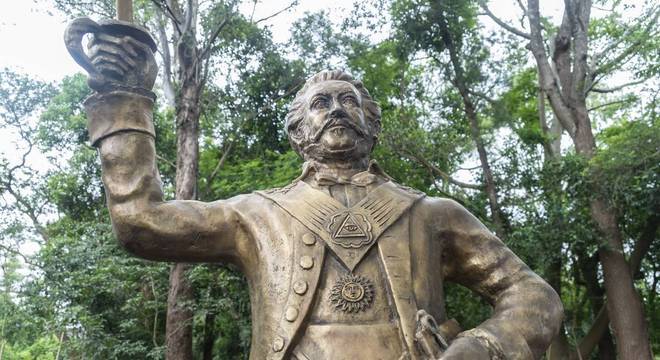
105,64
109,70
118,41
98,49
102,56
136,45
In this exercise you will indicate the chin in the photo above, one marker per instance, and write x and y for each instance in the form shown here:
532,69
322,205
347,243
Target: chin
320,151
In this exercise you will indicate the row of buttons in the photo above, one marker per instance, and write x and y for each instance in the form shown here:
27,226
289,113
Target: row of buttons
299,287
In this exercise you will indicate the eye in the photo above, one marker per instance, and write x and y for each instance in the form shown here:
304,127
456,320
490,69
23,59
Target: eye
319,103
350,101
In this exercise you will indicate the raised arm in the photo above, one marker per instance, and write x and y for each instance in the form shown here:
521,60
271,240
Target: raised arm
122,70
527,312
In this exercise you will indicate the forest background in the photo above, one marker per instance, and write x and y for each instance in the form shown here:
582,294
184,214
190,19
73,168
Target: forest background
542,122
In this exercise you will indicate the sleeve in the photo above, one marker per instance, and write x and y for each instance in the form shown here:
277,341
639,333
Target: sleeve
121,127
527,312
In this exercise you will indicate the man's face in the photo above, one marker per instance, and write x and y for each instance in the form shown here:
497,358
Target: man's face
335,120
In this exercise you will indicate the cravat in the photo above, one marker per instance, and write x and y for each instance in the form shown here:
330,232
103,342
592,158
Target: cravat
360,179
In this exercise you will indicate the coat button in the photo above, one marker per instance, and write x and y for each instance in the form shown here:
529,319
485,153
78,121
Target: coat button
300,287
278,344
309,239
306,262
291,314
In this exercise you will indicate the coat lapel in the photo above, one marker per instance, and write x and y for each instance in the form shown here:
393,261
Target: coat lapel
394,248
348,232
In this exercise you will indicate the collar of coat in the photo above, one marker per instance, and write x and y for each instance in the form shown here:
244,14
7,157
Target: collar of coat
363,178
348,232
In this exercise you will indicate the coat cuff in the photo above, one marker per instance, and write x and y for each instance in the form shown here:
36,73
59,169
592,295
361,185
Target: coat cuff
118,111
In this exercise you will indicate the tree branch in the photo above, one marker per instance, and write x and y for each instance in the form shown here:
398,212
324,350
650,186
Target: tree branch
441,173
167,10
254,8
460,200
206,50
292,4
27,209
168,78
221,162
501,23
608,104
619,87
239,128
168,162
548,83
190,17
25,258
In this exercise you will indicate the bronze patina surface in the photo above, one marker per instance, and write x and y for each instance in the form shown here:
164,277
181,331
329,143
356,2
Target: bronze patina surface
343,263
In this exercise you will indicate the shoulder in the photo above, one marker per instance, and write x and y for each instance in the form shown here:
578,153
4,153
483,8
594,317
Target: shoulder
249,200
449,215
438,206
276,191
243,203
407,189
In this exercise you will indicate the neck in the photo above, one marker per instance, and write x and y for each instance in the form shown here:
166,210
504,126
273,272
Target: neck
340,168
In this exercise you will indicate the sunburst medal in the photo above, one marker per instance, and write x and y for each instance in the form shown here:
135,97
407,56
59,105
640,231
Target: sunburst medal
352,293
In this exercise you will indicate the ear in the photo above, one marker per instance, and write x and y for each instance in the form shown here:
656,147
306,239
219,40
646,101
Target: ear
375,127
297,133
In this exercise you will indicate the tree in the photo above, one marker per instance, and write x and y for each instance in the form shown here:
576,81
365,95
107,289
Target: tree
567,80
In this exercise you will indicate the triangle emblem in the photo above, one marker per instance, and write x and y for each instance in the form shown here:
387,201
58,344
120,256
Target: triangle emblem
349,228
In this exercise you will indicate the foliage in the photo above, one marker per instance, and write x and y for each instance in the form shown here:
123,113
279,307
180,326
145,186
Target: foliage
81,295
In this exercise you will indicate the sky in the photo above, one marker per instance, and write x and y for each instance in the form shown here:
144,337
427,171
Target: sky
32,41
31,33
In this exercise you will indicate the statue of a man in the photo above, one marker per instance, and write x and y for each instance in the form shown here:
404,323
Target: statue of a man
343,263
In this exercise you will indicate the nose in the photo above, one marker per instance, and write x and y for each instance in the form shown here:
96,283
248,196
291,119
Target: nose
337,110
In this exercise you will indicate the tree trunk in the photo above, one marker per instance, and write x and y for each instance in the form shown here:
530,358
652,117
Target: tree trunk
491,191
559,348
209,336
180,297
599,334
179,315
179,326
624,305
600,328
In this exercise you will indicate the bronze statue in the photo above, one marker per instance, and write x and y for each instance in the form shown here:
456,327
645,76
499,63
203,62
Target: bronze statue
343,263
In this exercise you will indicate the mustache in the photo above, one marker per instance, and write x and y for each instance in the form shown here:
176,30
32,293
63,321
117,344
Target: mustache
339,121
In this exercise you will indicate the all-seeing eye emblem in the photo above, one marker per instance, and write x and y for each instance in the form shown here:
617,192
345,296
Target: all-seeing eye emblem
350,230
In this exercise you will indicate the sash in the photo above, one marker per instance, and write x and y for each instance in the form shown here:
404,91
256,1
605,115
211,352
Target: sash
348,232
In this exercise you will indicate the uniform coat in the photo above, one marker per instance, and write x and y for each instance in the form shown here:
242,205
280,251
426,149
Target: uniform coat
437,240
